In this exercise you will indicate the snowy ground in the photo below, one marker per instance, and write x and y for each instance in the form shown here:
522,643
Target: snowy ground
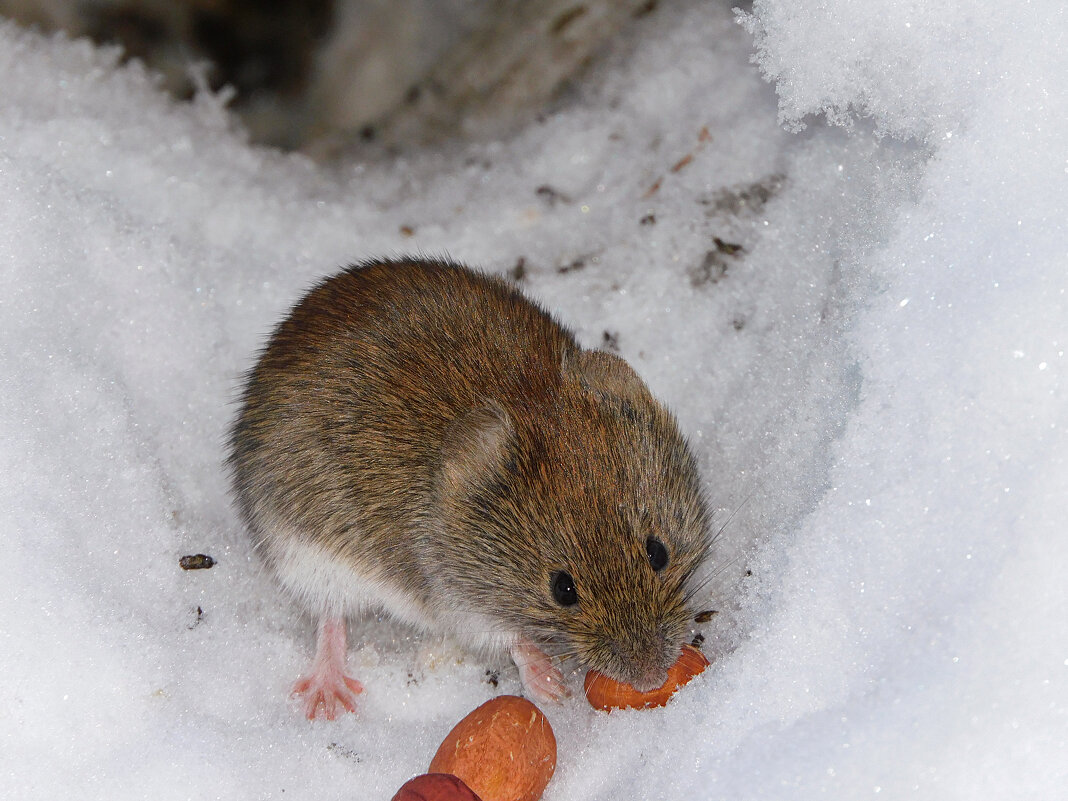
877,378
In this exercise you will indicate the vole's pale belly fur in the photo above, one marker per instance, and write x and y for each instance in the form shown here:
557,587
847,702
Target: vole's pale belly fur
322,581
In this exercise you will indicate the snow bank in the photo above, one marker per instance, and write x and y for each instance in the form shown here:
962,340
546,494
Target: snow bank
873,383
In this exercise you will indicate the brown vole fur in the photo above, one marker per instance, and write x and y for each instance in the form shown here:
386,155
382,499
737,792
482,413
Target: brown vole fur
421,438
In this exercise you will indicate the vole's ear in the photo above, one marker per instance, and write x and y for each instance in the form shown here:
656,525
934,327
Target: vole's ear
606,373
474,444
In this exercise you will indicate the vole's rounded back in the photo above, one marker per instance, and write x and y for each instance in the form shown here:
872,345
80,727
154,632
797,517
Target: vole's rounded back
422,437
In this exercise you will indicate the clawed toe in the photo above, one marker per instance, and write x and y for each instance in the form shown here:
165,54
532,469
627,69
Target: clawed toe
327,687
542,680
548,687
326,694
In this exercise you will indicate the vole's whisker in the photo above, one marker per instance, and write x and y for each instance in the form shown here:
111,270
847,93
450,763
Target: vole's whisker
694,591
734,514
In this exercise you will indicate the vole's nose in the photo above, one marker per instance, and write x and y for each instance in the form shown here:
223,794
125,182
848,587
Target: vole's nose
651,680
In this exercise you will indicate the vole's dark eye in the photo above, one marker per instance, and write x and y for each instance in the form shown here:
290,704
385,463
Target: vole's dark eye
658,555
564,591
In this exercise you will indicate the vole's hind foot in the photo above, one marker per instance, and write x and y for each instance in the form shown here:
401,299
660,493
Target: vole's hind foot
541,679
325,694
327,687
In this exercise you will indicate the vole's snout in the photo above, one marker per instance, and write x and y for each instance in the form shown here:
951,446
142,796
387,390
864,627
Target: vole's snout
650,681
643,666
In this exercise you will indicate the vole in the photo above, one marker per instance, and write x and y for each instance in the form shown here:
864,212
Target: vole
420,438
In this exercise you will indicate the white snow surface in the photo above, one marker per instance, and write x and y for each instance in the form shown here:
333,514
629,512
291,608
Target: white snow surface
874,386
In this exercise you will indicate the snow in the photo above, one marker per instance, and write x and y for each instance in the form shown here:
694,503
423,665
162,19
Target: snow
874,387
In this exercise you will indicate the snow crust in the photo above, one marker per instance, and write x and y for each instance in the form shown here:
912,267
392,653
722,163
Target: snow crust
874,384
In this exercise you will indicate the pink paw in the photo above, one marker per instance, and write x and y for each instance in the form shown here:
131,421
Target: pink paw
327,687
327,692
541,679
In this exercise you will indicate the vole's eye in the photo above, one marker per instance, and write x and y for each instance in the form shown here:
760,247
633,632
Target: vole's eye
658,555
564,591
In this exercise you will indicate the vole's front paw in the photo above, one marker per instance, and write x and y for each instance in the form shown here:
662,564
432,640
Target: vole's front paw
541,679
